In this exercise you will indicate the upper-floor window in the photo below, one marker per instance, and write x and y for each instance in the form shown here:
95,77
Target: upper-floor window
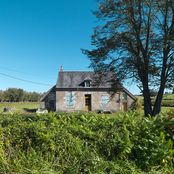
87,83
124,96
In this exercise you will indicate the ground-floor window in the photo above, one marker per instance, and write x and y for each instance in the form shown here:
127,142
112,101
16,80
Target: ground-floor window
104,100
70,99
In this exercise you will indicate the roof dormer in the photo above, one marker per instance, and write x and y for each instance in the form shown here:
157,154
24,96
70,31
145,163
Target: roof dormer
87,82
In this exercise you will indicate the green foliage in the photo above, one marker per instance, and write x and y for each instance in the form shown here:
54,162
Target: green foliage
17,95
85,143
138,104
130,40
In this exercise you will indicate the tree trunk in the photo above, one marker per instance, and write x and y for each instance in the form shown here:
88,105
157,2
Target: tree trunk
147,101
157,105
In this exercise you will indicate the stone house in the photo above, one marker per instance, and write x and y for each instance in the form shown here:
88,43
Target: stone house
86,91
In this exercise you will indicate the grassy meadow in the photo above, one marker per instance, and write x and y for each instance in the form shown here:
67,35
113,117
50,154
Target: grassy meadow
167,103
19,106
22,107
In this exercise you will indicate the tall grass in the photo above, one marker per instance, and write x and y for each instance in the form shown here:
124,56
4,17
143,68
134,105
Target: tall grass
85,143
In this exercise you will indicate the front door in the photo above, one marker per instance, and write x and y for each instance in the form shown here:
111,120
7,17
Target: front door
88,105
125,106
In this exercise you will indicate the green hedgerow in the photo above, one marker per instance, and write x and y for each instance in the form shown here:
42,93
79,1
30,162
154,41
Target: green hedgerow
85,143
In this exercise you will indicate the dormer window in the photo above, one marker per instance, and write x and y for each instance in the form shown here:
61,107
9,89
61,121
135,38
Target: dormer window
87,83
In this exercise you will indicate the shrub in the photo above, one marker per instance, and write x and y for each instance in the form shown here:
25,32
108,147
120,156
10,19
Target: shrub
85,143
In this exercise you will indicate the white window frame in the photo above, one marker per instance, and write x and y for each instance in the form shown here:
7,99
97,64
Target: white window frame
106,100
70,99
87,83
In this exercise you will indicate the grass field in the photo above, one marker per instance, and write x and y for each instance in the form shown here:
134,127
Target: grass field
22,106
19,106
169,96
166,109
167,103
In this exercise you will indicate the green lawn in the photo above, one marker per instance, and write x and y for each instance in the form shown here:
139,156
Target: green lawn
165,97
167,103
169,96
19,106
166,109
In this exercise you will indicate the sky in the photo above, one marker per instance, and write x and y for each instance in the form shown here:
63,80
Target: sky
39,36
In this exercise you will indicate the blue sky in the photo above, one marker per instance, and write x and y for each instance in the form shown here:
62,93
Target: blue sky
38,36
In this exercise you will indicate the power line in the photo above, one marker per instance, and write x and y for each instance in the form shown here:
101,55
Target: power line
17,71
28,81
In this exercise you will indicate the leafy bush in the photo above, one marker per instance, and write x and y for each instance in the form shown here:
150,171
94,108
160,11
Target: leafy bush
85,143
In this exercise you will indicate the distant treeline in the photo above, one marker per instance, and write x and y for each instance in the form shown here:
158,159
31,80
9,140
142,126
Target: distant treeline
18,95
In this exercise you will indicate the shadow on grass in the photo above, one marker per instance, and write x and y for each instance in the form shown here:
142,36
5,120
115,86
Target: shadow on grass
29,110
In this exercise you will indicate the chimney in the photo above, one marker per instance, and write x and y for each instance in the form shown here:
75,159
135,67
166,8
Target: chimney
61,69
60,77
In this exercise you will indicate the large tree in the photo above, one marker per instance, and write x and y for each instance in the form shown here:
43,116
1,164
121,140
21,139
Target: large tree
135,38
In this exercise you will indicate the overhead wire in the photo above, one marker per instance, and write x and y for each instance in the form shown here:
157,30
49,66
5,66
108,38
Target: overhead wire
19,72
24,80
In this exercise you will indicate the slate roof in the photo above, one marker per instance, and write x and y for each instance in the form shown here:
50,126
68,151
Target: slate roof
53,89
75,79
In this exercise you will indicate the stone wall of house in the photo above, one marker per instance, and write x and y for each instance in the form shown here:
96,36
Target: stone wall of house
50,101
75,101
